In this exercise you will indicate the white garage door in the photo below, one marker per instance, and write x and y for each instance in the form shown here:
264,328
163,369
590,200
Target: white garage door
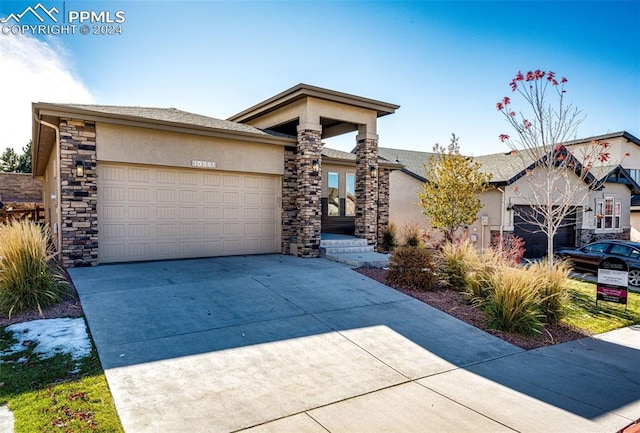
151,213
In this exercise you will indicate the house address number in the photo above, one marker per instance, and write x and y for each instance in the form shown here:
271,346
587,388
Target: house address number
203,164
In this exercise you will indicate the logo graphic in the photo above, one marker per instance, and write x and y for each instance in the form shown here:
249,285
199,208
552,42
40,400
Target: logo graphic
34,11
39,20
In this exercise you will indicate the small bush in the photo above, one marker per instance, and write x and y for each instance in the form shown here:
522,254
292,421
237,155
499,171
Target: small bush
413,267
514,302
29,278
511,248
553,292
412,234
389,237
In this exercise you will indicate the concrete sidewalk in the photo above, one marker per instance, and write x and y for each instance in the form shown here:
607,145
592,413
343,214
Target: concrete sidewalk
276,344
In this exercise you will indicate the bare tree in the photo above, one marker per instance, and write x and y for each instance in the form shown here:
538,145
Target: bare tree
558,178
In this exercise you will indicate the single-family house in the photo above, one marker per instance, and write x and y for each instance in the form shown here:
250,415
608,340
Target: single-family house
134,183
605,213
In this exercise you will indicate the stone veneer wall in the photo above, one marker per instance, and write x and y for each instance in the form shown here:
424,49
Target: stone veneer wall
289,195
309,190
78,199
383,202
20,187
366,190
586,236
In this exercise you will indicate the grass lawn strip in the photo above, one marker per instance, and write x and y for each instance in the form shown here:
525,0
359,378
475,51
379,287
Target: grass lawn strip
51,378
583,313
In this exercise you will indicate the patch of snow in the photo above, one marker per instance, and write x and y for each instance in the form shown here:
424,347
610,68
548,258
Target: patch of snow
6,420
51,337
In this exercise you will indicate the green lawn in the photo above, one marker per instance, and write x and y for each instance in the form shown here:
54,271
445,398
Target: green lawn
606,316
48,396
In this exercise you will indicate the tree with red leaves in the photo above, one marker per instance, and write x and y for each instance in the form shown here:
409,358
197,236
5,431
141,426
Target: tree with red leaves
541,131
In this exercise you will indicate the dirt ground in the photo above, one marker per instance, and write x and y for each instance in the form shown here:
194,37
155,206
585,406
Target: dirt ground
451,302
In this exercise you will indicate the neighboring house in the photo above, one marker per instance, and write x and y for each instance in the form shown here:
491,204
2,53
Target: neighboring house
605,214
132,183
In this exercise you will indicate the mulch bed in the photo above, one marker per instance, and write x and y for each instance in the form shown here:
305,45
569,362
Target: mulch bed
68,307
451,302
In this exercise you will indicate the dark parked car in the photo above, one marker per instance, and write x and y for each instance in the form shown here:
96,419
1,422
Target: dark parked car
589,257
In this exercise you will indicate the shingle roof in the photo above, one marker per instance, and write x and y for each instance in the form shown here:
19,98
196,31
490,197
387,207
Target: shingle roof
412,160
337,154
327,152
171,115
504,167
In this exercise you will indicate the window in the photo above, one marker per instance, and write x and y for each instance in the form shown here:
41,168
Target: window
608,214
333,195
621,250
350,203
634,173
596,248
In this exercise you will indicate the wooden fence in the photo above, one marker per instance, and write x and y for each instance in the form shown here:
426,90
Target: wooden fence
33,214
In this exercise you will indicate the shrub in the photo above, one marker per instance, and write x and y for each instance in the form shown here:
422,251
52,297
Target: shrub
389,237
514,302
29,278
412,235
413,267
553,292
511,248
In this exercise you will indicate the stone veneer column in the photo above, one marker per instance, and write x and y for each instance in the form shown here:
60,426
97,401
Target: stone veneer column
78,201
309,190
289,196
367,188
383,202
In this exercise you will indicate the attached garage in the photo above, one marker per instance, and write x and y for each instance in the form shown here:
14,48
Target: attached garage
536,241
149,213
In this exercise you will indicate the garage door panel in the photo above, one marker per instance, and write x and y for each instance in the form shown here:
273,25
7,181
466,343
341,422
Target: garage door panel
147,213
166,195
166,177
212,179
138,175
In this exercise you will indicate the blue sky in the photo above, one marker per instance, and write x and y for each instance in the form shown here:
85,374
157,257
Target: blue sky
445,63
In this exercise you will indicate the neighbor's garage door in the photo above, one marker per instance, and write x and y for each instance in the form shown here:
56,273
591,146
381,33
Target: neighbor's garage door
150,213
535,242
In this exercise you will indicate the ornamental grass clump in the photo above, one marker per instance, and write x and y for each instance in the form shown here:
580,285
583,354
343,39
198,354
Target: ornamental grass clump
553,289
413,267
458,259
389,237
477,280
29,277
514,302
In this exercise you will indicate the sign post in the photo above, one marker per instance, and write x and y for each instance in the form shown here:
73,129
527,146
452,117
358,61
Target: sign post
613,281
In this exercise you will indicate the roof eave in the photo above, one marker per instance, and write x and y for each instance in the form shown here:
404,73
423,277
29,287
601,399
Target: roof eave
128,120
301,91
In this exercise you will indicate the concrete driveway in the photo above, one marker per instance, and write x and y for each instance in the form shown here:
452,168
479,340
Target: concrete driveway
281,344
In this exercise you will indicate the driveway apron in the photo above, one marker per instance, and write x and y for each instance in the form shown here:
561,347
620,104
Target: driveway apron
277,343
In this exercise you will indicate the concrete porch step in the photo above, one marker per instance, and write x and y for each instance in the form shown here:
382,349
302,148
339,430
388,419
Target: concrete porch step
361,260
351,251
348,245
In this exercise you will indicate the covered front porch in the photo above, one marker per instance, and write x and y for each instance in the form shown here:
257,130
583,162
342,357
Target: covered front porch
313,173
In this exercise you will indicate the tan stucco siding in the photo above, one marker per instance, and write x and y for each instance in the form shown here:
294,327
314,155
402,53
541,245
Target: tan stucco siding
403,196
117,143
